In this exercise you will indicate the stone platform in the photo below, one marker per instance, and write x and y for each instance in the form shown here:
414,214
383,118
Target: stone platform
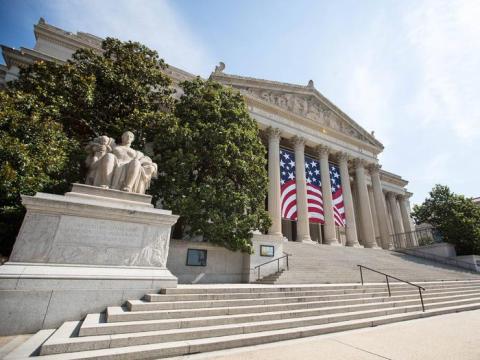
79,252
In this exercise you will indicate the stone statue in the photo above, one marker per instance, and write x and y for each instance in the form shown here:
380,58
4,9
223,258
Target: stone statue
118,167
220,67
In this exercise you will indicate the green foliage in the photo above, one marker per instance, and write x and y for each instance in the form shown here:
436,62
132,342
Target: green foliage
53,110
33,154
455,216
122,88
209,152
212,166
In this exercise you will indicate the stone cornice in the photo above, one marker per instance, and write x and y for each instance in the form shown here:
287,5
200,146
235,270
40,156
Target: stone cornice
65,38
24,57
392,178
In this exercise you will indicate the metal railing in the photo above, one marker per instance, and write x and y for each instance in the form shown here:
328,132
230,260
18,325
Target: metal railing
419,237
268,262
420,289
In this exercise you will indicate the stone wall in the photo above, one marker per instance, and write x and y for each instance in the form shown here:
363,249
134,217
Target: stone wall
223,266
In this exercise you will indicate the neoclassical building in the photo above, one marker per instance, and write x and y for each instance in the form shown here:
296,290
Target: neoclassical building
296,118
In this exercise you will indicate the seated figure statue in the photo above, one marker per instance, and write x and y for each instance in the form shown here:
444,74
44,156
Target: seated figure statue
118,167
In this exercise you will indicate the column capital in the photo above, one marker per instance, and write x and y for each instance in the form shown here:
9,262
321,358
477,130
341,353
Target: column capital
391,194
374,168
323,150
273,133
342,156
359,163
298,141
403,196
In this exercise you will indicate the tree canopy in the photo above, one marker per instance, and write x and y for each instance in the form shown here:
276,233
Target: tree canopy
50,113
33,154
213,166
207,146
455,216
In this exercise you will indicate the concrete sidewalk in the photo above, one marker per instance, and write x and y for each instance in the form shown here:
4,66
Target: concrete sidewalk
454,336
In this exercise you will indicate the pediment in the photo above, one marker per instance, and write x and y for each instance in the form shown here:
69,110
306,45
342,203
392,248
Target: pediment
304,101
309,106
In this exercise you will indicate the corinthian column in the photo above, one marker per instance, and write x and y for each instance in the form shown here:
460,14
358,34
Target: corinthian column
396,218
303,227
329,226
274,208
368,232
407,226
351,226
380,206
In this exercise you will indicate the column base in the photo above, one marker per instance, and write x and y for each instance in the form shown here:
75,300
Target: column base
333,242
306,239
356,245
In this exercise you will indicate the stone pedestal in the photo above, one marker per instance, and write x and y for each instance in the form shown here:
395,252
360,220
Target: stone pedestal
80,252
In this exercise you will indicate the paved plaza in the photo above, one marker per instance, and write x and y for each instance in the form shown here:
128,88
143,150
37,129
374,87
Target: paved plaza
452,337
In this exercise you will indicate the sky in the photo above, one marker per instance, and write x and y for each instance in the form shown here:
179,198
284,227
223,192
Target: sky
409,70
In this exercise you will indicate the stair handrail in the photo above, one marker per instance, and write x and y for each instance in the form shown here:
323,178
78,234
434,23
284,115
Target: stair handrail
285,256
420,288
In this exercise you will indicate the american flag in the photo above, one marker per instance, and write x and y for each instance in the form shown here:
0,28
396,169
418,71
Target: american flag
337,196
314,191
288,185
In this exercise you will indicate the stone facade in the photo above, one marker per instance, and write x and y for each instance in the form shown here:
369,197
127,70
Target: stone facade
297,117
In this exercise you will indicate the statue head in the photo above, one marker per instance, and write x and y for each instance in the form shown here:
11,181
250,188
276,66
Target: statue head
127,138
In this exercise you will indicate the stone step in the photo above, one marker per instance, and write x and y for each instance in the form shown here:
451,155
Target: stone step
96,325
179,348
304,292
249,288
140,305
118,314
64,340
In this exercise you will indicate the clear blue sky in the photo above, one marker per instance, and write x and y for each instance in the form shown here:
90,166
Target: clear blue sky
407,69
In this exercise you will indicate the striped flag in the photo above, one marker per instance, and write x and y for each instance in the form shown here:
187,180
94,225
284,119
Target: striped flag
337,196
288,185
314,190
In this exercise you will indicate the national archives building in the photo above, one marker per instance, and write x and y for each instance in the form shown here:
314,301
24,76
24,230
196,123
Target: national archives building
294,119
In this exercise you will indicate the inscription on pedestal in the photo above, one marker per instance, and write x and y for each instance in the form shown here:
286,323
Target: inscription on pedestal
98,233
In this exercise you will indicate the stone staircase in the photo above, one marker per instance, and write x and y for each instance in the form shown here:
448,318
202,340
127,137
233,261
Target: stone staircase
314,264
272,278
193,319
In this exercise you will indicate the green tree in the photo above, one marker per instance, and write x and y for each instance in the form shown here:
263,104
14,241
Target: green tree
123,87
455,216
212,166
33,154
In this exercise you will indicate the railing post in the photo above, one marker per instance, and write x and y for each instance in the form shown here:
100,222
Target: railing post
361,274
278,265
287,263
421,299
259,273
388,286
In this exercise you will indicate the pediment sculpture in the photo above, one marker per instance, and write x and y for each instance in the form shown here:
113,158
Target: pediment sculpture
309,107
118,167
